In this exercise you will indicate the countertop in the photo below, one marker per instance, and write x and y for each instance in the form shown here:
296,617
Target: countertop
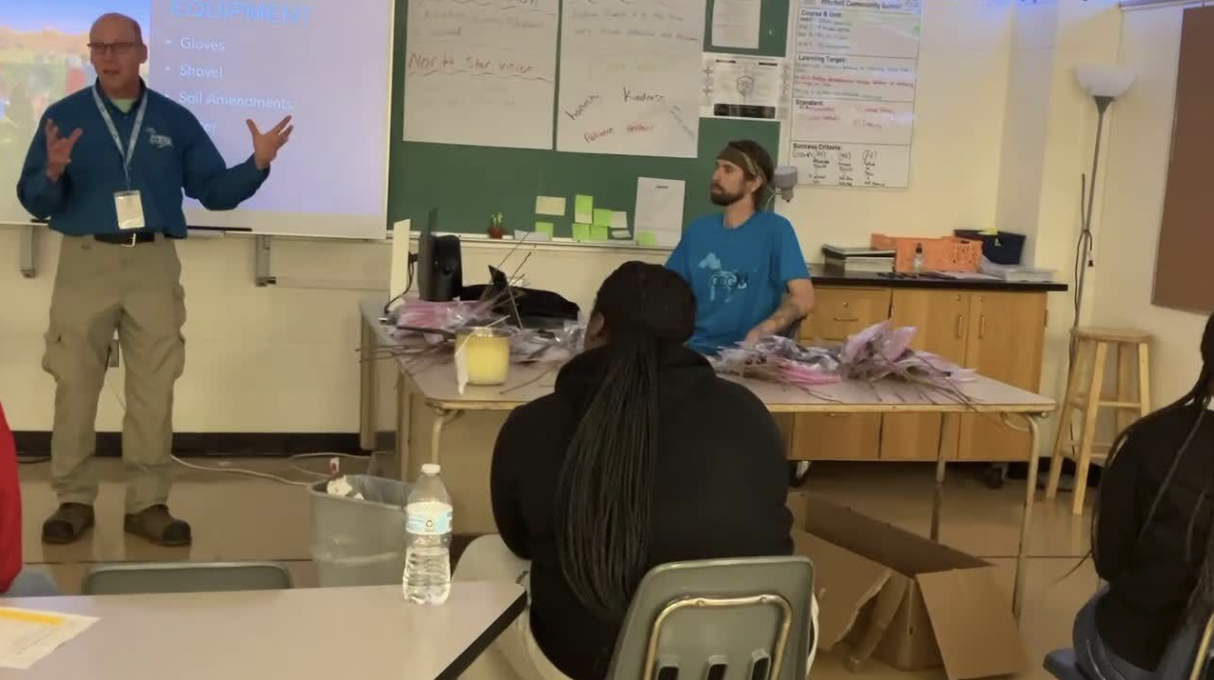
823,278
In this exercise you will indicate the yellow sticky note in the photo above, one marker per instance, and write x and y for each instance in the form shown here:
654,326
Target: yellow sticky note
647,238
602,218
550,205
545,228
600,233
583,209
581,232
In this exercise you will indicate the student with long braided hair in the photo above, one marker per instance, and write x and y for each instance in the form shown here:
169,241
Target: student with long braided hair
1152,539
642,456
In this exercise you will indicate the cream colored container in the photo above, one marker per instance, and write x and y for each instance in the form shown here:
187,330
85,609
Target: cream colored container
486,353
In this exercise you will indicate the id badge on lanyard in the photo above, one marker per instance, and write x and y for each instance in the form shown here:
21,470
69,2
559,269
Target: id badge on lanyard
128,205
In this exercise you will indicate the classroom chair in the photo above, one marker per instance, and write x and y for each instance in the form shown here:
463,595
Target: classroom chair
185,577
1086,394
735,619
1188,658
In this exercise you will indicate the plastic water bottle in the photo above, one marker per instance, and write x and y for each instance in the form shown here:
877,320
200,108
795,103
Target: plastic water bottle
427,578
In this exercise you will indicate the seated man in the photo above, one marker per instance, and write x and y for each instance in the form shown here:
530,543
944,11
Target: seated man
629,417
745,264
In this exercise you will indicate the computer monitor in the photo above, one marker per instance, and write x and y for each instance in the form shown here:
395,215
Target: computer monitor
439,268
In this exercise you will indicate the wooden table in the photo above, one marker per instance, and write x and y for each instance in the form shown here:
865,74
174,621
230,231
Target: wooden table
304,634
434,382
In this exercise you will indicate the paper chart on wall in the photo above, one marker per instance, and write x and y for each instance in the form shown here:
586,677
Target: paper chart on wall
630,77
739,86
736,23
853,91
481,73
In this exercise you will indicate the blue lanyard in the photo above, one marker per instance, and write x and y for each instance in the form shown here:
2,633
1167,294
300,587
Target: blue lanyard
128,153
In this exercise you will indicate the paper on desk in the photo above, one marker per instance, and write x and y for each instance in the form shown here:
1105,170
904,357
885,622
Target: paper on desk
27,636
735,23
660,209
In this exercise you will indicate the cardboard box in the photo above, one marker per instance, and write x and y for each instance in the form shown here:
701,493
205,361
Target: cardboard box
903,599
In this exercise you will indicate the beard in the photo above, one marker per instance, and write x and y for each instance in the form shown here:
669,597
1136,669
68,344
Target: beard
721,197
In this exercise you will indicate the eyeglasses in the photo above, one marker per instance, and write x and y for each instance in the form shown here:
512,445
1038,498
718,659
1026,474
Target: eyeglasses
117,49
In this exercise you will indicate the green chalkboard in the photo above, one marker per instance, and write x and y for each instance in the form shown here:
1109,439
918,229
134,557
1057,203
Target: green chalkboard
469,183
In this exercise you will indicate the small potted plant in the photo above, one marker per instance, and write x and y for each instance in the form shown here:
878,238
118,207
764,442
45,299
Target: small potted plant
497,224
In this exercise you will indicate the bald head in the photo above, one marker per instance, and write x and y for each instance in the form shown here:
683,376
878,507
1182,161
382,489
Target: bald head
117,23
117,51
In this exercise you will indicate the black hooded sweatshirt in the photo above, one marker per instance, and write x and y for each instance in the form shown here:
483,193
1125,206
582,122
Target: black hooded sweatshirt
1151,579
720,489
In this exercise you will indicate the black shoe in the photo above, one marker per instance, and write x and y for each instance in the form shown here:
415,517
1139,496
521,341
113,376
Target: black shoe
68,524
158,526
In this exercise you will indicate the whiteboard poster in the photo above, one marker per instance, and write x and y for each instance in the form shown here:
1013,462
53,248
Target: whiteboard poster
853,91
481,73
630,77
851,165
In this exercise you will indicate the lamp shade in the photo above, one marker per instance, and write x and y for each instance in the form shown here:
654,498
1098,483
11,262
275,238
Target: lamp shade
1104,81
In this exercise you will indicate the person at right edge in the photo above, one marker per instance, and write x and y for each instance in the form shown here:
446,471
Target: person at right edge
744,264
1152,542
107,167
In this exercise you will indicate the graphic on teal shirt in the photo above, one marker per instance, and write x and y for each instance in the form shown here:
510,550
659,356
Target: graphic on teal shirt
723,279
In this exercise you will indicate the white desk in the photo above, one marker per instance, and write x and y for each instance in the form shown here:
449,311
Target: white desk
304,634
433,381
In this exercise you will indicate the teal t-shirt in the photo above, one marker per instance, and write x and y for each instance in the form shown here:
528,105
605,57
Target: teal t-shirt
738,275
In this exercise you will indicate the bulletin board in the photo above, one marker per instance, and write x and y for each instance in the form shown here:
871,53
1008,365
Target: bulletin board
469,183
1186,235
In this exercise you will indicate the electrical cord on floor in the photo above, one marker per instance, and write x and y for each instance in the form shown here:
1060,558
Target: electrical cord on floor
254,473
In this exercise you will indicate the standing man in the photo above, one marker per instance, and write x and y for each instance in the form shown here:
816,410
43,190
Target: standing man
108,166
745,264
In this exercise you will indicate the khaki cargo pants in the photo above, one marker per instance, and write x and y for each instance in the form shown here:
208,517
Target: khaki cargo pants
136,291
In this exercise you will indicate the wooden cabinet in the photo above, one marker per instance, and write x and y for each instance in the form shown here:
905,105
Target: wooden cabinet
941,319
1006,341
838,313
1001,334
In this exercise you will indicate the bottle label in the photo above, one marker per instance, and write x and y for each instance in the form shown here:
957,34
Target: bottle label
428,518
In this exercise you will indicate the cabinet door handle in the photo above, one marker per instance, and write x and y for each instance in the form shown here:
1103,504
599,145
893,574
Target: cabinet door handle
957,327
982,327
849,319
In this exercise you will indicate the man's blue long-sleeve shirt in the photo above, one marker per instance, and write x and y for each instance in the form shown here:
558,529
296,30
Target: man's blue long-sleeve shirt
173,153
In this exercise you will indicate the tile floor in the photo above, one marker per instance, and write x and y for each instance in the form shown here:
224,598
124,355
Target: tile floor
240,518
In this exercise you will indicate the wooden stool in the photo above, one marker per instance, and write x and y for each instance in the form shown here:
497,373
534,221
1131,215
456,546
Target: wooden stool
1091,352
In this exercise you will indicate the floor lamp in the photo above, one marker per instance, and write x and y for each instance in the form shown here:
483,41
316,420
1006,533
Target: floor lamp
1105,84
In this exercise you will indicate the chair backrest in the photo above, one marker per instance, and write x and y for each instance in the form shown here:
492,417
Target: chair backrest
736,619
185,577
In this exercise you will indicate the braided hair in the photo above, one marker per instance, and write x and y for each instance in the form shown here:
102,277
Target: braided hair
606,483
1196,402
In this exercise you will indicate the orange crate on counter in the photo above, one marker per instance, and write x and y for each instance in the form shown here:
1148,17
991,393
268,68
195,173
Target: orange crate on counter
943,254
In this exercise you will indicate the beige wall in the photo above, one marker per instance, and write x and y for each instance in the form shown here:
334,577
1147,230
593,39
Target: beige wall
1133,203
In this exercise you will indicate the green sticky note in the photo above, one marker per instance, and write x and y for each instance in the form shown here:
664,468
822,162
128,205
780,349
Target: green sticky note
545,228
583,209
600,233
581,232
647,238
602,218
